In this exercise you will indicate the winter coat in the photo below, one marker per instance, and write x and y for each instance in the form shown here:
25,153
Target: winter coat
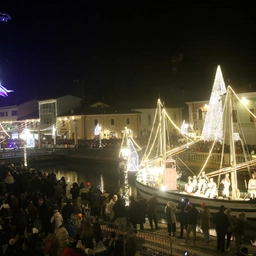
205,219
52,244
134,212
240,222
63,237
119,208
152,203
170,212
192,216
220,219
57,220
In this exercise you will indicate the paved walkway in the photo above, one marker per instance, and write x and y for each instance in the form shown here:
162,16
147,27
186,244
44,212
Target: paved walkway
199,249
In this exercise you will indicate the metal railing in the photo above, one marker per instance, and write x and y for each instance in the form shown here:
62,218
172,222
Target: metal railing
154,242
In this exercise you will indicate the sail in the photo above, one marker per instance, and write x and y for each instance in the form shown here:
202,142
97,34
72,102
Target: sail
213,125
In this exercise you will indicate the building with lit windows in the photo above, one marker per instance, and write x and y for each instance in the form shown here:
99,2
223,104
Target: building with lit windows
197,113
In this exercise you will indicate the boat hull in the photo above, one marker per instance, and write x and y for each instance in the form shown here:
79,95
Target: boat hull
247,206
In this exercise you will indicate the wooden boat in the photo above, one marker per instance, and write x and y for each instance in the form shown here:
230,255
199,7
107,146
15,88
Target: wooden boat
157,172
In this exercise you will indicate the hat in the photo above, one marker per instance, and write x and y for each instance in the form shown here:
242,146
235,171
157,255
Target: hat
80,215
203,204
34,230
241,214
244,250
87,250
222,207
79,244
12,241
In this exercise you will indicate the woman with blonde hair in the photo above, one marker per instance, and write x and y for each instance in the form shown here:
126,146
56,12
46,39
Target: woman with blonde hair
230,228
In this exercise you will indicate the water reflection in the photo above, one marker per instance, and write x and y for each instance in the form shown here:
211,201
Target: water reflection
104,175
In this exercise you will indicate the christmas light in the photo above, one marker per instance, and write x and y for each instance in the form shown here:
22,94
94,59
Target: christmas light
213,125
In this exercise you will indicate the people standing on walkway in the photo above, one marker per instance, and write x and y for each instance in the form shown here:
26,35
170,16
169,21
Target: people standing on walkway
230,227
183,217
205,216
240,222
152,203
120,213
74,191
192,223
170,213
133,213
221,221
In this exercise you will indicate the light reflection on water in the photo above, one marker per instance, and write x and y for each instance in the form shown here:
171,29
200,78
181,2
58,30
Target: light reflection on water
104,175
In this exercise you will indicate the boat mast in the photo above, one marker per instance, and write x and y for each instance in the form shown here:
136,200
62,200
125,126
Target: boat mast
232,146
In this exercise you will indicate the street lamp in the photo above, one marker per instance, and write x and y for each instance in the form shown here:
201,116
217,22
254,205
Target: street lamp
29,142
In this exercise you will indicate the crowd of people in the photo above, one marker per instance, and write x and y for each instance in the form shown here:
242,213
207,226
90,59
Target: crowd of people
69,226
29,197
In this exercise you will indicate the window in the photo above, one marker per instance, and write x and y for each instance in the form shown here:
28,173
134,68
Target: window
149,119
63,123
1,113
112,121
234,116
200,114
127,120
6,113
251,116
14,113
96,121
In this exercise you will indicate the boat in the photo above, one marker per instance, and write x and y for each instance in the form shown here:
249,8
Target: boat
159,169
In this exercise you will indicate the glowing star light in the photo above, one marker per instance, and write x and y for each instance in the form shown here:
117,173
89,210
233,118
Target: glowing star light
3,91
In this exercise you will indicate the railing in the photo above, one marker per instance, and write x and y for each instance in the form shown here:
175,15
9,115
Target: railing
146,241
112,154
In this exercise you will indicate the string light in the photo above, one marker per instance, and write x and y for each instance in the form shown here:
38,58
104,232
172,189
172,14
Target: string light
213,125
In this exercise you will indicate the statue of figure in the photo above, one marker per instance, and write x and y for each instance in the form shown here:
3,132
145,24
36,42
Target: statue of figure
226,184
202,182
252,186
211,189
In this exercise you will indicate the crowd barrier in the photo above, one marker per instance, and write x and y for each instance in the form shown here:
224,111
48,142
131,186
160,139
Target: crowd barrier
148,243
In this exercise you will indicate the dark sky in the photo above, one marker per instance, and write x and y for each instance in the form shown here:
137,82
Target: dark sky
125,46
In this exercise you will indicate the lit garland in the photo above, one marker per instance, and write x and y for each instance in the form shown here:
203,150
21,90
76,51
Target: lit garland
213,125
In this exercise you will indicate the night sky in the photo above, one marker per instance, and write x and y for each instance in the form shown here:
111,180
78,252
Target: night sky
125,48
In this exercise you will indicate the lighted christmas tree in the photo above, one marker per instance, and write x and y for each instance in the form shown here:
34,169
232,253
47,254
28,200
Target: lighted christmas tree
213,125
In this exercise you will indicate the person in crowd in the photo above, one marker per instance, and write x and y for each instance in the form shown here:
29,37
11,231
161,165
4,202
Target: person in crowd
5,211
152,203
238,231
142,211
63,237
13,249
226,184
87,234
31,211
109,208
9,182
79,250
3,240
52,243
19,220
221,221
192,222
78,223
230,227
58,194
44,215
120,213
205,216
110,243
170,213
56,219
71,229
95,201
120,246
131,243
98,235
67,211
36,243
75,191
183,207
134,213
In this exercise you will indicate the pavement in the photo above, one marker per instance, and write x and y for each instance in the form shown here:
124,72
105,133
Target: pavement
200,249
